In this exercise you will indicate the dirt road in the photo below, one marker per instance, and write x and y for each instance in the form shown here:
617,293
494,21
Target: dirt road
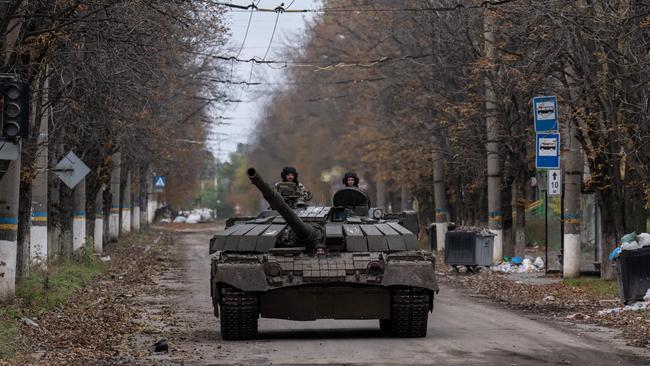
463,330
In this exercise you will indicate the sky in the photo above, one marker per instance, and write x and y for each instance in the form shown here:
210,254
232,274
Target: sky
242,116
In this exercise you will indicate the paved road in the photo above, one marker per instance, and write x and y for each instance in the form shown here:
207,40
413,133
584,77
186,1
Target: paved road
463,330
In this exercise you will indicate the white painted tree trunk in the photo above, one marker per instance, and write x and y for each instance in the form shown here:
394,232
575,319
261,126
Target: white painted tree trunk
9,192
38,246
136,218
79,218
114,217
126,205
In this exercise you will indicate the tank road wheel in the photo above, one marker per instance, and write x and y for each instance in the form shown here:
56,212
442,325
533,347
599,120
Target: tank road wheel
409,312
239,313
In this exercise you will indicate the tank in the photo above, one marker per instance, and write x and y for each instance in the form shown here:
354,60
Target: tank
300,262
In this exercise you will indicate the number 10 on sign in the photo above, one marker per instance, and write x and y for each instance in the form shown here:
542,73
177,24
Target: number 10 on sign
554,182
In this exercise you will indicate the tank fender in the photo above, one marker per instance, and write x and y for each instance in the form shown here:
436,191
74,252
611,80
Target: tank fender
243,276
410,273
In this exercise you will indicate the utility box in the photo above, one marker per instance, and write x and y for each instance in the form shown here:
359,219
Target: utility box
468,248
633,273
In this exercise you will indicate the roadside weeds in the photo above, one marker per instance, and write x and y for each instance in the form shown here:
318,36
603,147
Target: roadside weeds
86,310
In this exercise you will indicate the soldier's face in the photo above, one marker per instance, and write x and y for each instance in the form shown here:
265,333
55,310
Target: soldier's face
290,177
349,182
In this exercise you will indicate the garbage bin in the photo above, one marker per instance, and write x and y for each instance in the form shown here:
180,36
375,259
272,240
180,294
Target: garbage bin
433,236
468,248
433,241
633,274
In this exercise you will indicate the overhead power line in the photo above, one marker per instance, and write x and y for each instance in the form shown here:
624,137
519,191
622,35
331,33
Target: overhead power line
348,81
282,9
323,65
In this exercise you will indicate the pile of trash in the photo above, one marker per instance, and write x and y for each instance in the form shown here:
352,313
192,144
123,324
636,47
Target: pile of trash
631,241
197,215
519,265
639,305
480,231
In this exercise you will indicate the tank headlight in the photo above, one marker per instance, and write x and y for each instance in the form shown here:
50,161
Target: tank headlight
376,213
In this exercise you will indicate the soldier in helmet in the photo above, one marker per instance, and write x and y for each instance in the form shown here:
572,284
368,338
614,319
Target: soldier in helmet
289,174
351,179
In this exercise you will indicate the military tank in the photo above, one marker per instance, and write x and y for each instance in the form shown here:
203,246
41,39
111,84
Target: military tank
299,262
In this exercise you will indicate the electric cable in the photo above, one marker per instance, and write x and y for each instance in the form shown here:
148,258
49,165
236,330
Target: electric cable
272,34
280,9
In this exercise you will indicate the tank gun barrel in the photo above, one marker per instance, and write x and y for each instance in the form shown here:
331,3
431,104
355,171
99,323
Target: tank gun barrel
304,232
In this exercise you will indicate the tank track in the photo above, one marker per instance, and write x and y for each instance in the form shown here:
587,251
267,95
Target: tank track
409,312
239,314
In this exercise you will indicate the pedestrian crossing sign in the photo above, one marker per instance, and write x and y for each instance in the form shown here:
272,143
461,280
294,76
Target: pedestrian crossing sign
160,181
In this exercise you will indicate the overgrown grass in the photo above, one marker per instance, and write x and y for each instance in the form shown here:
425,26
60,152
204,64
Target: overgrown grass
43,290
604,288
8,331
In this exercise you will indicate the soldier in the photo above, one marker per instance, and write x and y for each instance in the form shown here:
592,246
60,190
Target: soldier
351,179
290,174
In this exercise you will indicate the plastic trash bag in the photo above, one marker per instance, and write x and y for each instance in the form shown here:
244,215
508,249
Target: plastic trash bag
628,238
631,245
646,298
615,253
539,262
193,218
643,239
516,260
180,219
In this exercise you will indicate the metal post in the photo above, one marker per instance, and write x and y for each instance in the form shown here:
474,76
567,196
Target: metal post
546,230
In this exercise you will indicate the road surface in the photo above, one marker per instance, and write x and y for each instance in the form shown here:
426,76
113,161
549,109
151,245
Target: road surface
463,330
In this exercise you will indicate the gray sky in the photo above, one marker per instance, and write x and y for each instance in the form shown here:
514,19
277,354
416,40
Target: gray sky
242,116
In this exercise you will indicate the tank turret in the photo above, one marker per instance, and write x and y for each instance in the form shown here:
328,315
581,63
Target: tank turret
305,233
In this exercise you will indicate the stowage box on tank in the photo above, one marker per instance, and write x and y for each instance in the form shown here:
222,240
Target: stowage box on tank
302,262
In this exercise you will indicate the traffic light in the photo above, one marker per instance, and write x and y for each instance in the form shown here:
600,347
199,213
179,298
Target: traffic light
15,110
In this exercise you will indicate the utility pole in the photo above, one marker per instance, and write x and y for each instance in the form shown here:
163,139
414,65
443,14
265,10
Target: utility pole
114,218
126,205
9,193
495,216
406,197
439,193
574,163
571,206
381,194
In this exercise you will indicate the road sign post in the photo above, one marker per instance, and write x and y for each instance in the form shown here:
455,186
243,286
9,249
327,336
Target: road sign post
548,151
71,170
545,114
554,182
159,182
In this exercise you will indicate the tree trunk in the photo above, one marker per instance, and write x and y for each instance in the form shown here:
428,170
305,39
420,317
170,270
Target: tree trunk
114,218
9,192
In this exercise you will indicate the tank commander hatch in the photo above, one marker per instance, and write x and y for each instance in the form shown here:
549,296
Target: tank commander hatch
293,192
